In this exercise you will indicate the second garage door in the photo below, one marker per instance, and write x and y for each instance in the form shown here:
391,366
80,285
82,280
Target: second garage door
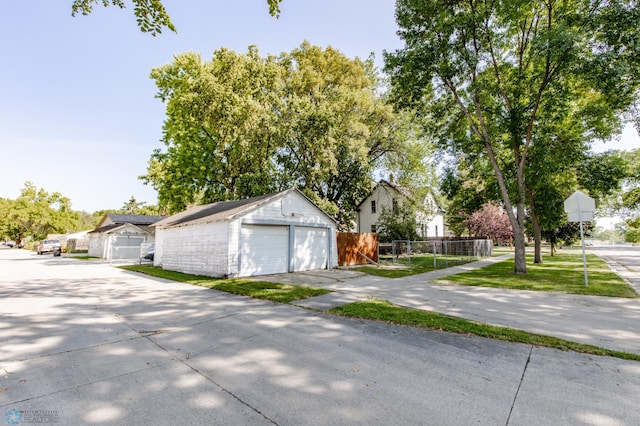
311,250
264,250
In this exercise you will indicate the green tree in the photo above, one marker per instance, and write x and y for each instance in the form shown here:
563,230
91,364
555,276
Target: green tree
151,15
499,66
241,125
36,213
398,223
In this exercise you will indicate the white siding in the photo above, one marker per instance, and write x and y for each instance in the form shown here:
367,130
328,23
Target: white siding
201,249
108,245
293,208
214,249
431,225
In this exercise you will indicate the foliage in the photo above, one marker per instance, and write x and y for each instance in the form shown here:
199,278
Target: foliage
133,206
381,310
491,222
602,174
241,125
398,223
567,233
468,183
632,235
631,196
492,72
36,213
562,274
151,15
282,293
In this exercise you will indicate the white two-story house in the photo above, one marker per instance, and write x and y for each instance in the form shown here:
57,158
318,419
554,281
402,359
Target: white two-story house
389,196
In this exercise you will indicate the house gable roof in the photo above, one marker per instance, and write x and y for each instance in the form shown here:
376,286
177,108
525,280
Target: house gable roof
135,219
226,210
107,229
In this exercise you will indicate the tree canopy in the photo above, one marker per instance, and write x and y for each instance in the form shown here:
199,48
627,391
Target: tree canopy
36,213
151,15
499,75
242,125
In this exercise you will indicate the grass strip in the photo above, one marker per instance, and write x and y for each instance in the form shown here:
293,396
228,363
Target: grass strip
276,292
562,273
382,310
417,265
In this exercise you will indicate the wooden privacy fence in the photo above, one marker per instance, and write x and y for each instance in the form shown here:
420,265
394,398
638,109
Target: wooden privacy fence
357,248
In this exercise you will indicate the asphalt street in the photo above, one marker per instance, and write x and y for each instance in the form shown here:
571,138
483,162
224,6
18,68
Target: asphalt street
87,343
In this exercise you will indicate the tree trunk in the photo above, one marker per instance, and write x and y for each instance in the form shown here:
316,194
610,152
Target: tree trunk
537,232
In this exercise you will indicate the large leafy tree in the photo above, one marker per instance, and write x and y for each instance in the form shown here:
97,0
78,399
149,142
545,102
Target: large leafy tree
499,67
242,125
36,213
151,15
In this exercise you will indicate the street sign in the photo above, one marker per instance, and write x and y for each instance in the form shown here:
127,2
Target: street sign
580,207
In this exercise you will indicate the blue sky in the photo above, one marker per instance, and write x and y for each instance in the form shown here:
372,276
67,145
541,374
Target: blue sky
78,113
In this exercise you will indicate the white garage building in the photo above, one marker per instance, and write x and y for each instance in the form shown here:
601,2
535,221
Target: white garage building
269,234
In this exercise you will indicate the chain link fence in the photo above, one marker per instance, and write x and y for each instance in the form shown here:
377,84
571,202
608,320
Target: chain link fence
443,252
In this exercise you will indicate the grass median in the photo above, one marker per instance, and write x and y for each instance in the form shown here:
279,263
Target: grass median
276,292
562,273
416,265
381,310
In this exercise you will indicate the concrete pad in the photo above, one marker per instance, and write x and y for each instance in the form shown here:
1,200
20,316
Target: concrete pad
576,389
167,394
367,374
328,301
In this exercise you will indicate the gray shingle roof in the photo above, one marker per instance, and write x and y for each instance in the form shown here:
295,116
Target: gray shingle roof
135,219
215,211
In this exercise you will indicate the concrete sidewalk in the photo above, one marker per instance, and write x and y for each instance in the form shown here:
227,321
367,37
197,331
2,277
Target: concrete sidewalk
613,323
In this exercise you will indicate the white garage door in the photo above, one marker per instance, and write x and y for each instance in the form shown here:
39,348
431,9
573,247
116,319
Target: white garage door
263,250
311,250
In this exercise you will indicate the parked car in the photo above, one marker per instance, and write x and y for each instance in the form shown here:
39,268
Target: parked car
10,244
151,251
48,246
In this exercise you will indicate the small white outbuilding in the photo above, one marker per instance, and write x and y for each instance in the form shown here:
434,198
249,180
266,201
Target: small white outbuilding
269,234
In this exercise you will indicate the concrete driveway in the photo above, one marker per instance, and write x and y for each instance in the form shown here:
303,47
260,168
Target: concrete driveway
86,343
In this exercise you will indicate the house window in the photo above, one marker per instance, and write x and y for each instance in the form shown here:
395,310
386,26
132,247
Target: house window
373,229
395,205
373,206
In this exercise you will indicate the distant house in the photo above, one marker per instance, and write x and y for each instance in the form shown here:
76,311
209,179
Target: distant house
120,236
268,234
387,195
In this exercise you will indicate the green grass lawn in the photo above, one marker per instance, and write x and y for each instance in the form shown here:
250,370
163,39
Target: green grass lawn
418,265
380,310
283,293
562,273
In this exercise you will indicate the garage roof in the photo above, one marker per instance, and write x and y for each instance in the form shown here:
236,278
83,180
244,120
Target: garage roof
223,210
